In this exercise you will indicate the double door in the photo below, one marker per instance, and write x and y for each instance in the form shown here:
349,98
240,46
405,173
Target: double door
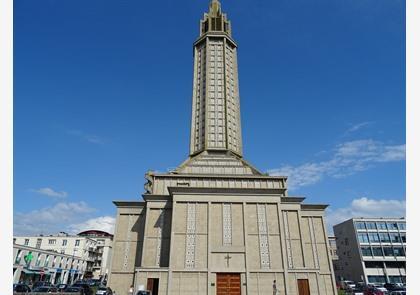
228,284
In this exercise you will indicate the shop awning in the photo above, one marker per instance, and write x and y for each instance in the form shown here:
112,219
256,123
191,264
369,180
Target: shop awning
27,271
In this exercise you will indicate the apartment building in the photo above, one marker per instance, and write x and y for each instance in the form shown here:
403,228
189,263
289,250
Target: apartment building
94,247
33,264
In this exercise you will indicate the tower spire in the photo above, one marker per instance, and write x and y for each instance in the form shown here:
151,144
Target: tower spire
214,20
215,123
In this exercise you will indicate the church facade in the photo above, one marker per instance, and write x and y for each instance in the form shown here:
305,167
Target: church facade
216,224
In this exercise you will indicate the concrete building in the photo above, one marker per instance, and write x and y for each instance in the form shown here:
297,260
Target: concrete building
103,247
332,241
216,224
92,246
33,264
372,249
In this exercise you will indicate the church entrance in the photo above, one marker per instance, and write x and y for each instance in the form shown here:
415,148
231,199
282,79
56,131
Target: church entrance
303,287
228,284
153,286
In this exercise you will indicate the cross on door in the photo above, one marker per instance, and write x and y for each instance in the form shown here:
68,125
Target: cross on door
227,257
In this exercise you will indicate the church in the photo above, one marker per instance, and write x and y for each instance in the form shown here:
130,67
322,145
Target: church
216,224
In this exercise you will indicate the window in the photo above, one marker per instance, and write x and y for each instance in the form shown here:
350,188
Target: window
62,251
47,258
374,237
52,241
54,261
14,240
366,251
395,264
363,238
371,225
395,238
396,279
360,225
77,243
403,237
374,264
64,242
376,279
381,225
26,242
398,251
18,256
38,243
384,237
401,225
377,251
38,260
388,251
392,226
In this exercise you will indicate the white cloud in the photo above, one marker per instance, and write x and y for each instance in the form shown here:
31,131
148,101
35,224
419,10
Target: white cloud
50,219
346,159
104,223
365,207
47,191
95,139
358,126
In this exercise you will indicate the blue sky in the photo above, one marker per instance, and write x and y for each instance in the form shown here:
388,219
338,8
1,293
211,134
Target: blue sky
103,89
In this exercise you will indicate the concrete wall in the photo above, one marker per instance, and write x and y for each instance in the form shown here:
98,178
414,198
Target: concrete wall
127,247
297,243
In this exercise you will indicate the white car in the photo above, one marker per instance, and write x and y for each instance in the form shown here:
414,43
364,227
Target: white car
103,291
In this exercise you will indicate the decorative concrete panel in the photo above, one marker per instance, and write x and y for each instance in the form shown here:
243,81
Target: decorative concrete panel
191,236
263,236
227,224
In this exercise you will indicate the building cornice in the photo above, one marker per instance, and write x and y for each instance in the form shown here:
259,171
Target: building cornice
120,203
313,206
225,191
220,176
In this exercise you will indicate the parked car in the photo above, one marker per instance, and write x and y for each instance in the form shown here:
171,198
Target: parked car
141,292
355,291
348,285
371,290
41,284
72,289
400,292
61,287
46,289
21,288
394,287
102,290
86,288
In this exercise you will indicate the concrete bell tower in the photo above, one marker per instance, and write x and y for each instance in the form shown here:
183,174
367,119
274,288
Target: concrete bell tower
215,123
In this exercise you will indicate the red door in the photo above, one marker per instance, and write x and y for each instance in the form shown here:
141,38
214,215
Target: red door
303,287
228,284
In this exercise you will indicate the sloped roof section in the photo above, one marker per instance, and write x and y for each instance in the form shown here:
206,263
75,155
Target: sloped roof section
216,162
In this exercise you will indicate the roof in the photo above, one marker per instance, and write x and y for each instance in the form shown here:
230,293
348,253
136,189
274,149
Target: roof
216,162
95,233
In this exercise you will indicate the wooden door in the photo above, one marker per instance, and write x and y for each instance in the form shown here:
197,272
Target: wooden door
303,287
153,286
228,284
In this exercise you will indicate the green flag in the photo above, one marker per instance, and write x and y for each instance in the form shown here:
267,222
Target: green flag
28,257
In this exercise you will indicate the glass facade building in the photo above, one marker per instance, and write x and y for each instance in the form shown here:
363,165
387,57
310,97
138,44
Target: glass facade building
372,250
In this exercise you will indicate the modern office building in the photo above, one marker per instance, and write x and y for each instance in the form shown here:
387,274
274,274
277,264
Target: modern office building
94,247
34,264
372,250
216,224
